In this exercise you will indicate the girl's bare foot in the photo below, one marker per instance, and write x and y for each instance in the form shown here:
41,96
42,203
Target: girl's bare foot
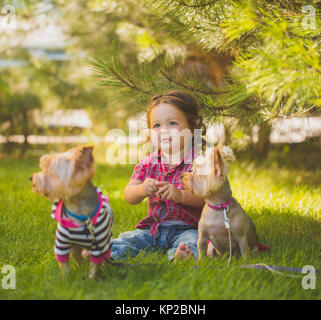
182,252
85,253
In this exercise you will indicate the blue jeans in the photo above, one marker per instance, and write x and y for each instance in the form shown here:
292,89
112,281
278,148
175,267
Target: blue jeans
166,238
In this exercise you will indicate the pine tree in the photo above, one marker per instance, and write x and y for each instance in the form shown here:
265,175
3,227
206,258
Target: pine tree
274,45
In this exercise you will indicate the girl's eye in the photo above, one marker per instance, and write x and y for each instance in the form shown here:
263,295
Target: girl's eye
156,125
173,123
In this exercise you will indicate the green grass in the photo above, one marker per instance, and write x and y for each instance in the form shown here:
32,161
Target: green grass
284,206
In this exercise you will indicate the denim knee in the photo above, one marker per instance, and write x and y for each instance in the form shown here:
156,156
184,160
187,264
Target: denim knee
130,243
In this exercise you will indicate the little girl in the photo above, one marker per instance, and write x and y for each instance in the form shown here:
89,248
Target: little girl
173,213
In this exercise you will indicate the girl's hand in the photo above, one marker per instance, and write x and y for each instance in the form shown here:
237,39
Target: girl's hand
149,186
168,191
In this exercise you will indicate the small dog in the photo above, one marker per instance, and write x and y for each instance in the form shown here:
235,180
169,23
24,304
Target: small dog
84,216
221,212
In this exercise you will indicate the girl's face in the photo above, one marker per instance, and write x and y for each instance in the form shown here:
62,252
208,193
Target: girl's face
168,128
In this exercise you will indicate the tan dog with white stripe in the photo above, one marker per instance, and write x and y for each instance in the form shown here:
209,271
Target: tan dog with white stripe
209,180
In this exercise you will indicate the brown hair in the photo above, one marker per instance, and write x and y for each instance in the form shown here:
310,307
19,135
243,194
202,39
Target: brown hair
184,102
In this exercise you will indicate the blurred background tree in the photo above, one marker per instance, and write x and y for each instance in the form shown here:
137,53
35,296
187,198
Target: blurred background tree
56,70
247,62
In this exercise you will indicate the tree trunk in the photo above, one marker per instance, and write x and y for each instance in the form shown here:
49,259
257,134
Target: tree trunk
8,146
261,147
25,132
227,135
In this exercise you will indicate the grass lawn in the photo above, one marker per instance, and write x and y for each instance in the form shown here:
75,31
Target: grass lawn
284,203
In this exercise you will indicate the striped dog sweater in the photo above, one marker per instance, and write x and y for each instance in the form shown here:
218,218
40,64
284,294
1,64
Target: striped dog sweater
70,234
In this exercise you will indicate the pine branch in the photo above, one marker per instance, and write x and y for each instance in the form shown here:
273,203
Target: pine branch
306,37
108,67
183,3
192,89
272,75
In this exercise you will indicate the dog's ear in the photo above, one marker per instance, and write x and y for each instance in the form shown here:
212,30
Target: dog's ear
45,161
218,162
227,154
221,141
84,166
220,145
84,155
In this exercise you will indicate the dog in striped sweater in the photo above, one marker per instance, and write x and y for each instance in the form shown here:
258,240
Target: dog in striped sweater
84,216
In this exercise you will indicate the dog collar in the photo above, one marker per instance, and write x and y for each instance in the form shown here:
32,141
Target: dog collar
57,209
82,217
221,206
225,207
